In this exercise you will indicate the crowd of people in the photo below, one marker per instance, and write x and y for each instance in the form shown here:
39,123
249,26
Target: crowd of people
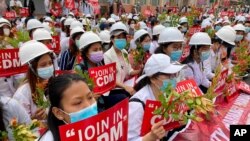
115,39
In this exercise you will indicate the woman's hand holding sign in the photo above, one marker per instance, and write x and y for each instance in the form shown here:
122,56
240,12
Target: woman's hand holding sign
157,132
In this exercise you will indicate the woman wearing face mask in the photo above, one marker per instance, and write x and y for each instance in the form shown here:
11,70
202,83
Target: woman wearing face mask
184,25
199,52
131,24
156,32
105,37
68,57
171,43
41,68
158,73
67,108
5,31
117,54
142,39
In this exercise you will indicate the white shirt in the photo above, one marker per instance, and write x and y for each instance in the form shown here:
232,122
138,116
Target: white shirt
24,96
47,137
136,113
122,65
211,64
7,86
12,109
194,70
16,3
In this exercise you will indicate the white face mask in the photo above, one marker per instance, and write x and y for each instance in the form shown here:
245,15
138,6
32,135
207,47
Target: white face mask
6,32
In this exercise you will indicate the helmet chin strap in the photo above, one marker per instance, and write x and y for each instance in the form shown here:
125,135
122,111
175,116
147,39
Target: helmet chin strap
34,72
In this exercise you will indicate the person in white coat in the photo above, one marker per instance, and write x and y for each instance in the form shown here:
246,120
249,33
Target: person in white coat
119,55
67,108
158,73
200,44
40,61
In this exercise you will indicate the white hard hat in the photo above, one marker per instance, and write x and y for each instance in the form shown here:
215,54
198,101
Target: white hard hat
226,21
143,25
76,30
105,36
88,16
4,21
205,24
63,18
75,24
227,34
87,39
111,20
68,21
46,26
31,50
71,14
117,18
170,34
33,24
200,38
85,21
48,19
130,16
41,34
119,26
136,18
239,27
242,19
158,29
103,20
183,20
139,34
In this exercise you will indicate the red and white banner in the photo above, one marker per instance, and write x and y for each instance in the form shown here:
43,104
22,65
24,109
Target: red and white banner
104,78
56,44
24,12
236,112
110,125
56,10
70,4
222,81
223,14
9,15
185,53
95,5
193,30
149,118
10,63
244,87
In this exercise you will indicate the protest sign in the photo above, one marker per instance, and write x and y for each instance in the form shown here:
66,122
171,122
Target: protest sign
223,14
185,53
70,4
110,125
24,12
194,30
236,112
244,87
10,63
9,15
104,78
149,118
56,44
221,82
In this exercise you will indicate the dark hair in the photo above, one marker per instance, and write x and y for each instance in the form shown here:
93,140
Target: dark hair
73,48
155,38
227,45
145,81
130,20
160,49
190,58
56,88
142,38
2,126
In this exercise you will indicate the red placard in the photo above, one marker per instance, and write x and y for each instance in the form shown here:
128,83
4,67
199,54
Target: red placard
9,15
243,86
56,10
232,91
185,53
223,14
194,30
56,44
24,12
236,112
104,78
110,125
222,81
231,13
10,63
211,11
70,4
149,118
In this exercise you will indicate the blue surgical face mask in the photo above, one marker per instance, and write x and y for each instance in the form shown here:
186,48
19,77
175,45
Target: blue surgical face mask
146,47
77,43
83,114
120,43
184,29
176,55
248,29
217,27
45,73
205,55
239,38
167,82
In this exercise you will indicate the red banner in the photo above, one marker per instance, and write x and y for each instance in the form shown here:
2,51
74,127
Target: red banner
56,44
193,30
10,63
110,125
222,81
211,11
243,86
95,5
56,10
236,112
104,78
223,14
9,15
231,13
232,91
149,118
185,53
24,12
70,4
